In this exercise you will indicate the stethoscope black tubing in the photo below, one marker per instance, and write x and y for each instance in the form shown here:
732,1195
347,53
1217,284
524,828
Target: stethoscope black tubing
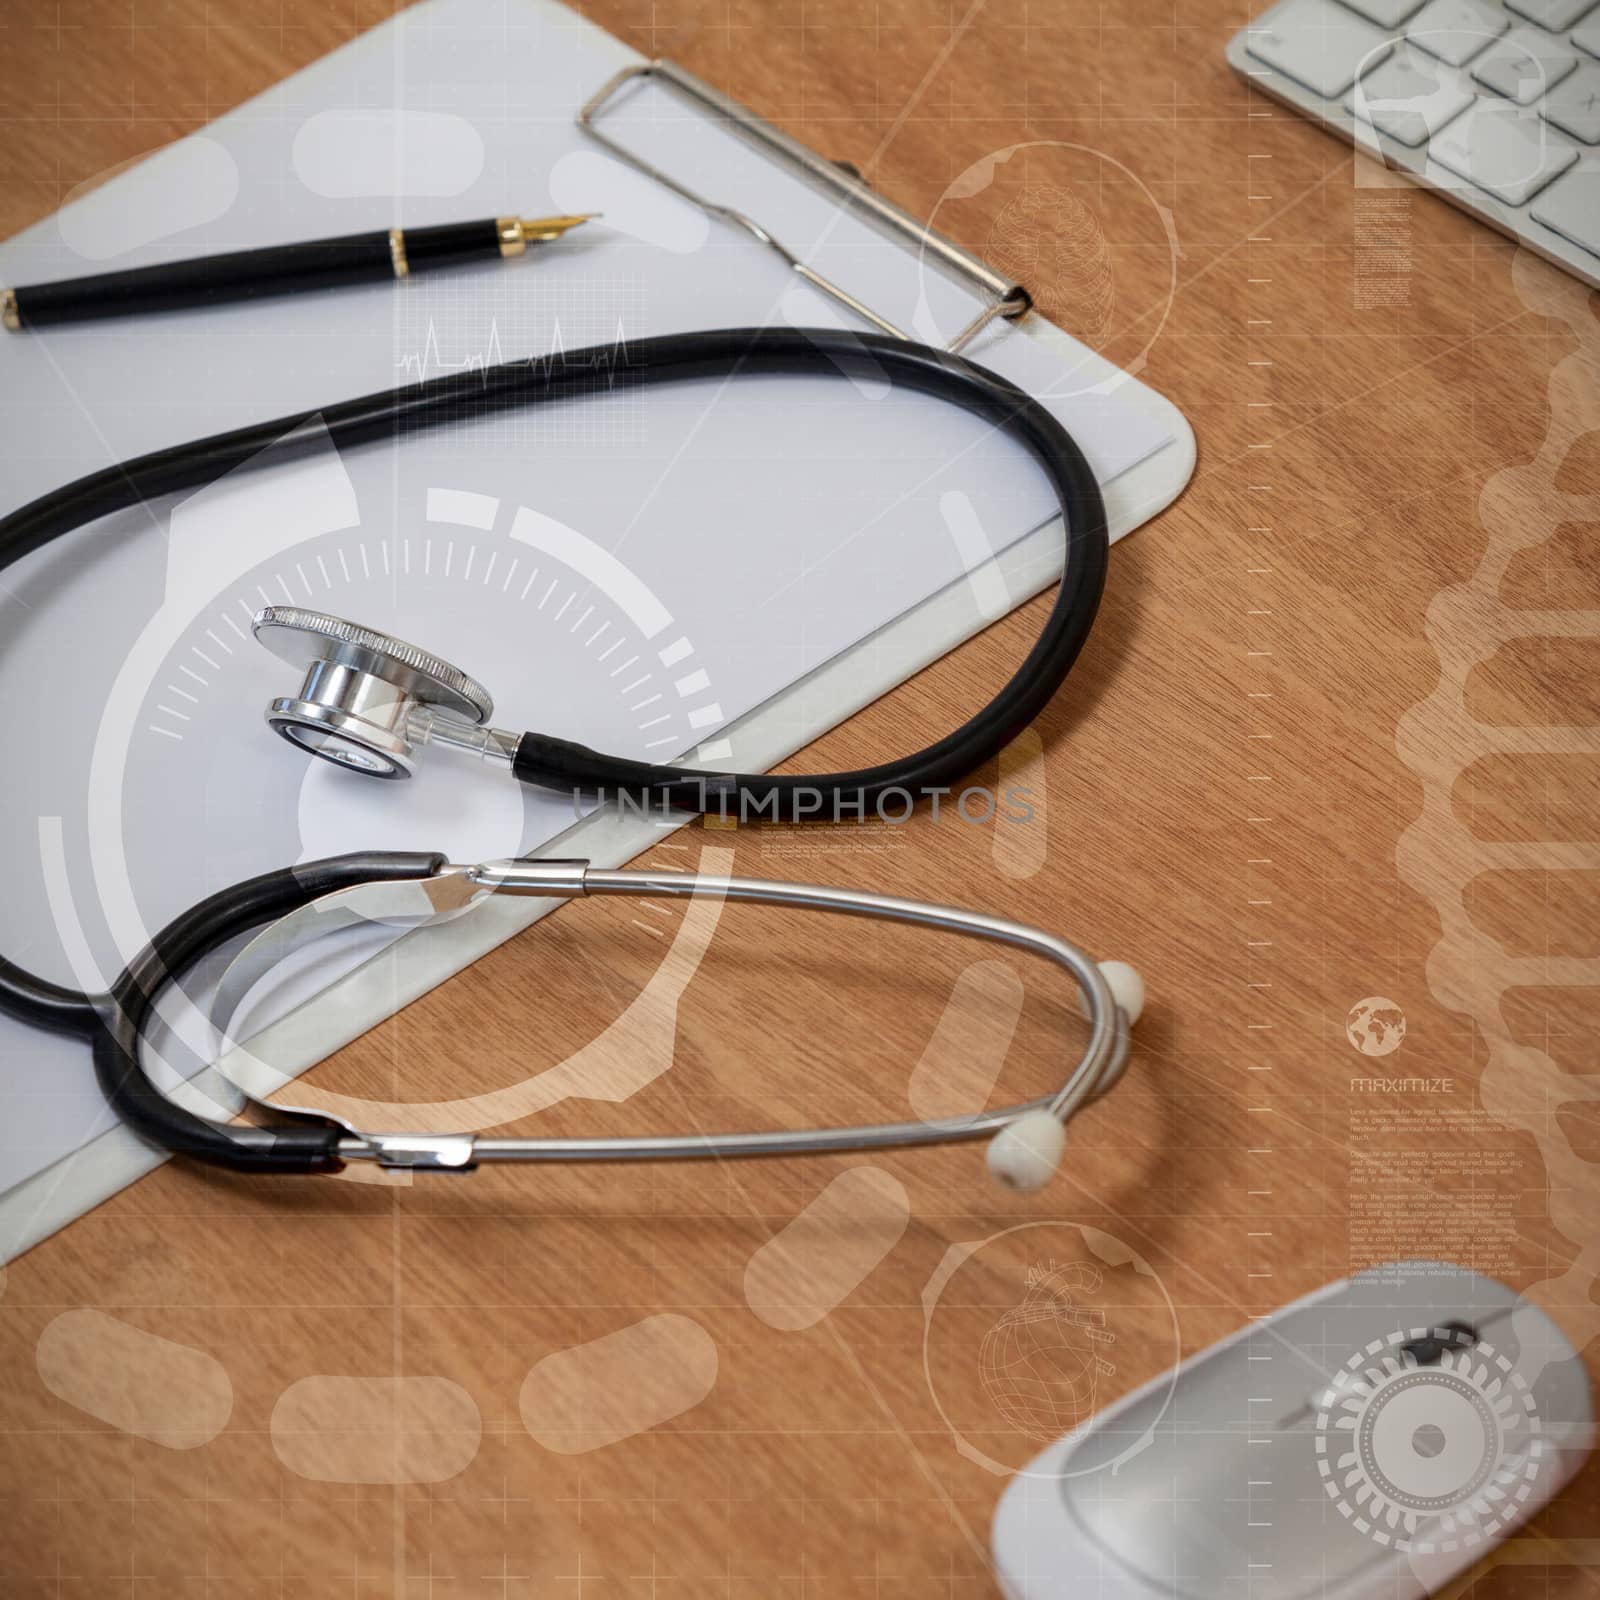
559,763
124,1014
566,766
114,1023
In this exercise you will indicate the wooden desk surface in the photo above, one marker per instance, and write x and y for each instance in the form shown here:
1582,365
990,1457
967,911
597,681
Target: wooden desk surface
1322,748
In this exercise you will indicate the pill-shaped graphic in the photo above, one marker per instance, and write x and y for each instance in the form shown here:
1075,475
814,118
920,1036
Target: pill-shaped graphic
1021,831
169,1393
184,186
619,1385
376,1430
967,1048
353,153
800,1274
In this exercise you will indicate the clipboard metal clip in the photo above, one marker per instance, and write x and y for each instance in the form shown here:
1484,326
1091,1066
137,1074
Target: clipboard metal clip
1002,297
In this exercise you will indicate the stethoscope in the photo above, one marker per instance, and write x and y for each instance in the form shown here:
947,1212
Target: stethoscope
368,702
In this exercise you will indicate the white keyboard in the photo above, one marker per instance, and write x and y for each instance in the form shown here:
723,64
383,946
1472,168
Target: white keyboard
1497,107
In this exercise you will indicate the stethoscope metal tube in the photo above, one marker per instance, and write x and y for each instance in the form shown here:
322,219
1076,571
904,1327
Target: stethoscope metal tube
1016,1160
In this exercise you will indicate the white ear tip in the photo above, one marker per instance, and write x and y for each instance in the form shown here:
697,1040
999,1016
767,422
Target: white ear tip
1027,1151
1127,989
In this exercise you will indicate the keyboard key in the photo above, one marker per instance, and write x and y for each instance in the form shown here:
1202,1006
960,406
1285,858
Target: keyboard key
1556,15
1508,152
1572,208
1588,37
1318,44
1408,97
1574,107
1524,65
1388,13
1456,30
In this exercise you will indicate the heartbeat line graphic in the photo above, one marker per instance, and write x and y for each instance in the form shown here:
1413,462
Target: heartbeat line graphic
431,361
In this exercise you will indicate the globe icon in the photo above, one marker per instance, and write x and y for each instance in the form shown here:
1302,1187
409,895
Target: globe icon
1375,1026
1039,1363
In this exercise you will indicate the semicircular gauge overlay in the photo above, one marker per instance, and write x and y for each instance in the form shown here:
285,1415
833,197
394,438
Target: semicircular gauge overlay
504,610
197,792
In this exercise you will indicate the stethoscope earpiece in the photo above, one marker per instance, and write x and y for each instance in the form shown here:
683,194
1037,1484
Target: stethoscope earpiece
1127,989
1025,1153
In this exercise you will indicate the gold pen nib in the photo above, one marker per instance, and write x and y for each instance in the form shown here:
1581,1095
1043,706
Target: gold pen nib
553,227
517,233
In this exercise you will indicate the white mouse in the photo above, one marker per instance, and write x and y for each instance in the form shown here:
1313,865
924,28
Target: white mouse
1370,1442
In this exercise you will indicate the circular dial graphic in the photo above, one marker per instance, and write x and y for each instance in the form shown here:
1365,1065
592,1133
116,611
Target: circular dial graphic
1428,1457
567,639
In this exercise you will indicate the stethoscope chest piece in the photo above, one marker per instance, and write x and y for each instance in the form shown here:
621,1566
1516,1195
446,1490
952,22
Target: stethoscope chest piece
368,699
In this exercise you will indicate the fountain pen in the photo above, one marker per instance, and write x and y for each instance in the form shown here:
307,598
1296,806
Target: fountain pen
281,269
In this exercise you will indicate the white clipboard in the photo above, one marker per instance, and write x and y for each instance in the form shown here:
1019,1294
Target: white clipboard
443,45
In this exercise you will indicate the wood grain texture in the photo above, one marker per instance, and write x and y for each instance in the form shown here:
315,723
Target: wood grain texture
1256,789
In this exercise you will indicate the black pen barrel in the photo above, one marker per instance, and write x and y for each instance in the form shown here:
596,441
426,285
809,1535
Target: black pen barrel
209,280
452,244
276,270
254,274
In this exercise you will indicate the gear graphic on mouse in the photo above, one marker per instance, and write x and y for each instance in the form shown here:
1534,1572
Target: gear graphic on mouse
1428,1441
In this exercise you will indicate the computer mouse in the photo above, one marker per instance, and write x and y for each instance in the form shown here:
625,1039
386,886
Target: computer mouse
1369,1442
